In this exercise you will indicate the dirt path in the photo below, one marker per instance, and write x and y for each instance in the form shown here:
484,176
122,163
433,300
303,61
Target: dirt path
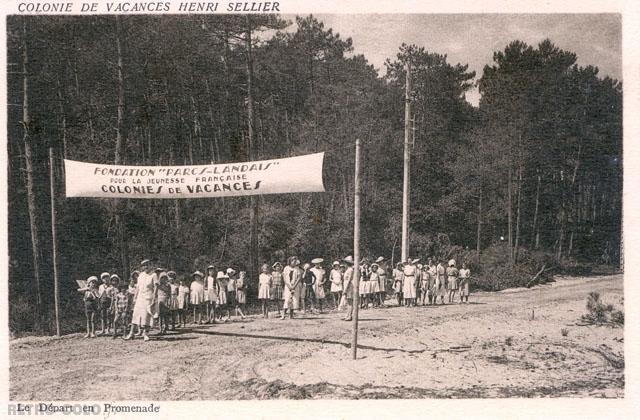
500,345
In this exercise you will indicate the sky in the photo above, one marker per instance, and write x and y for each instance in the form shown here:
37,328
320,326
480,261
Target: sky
472,38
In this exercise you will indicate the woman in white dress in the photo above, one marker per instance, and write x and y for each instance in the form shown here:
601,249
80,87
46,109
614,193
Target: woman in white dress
409,284
144,299
335,277
318,286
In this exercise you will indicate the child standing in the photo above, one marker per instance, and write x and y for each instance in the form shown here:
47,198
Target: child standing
120,310
164,293
183,302
104,302
264,289
465,275
231,291
398,278
90,300
131,294
452,279
318,288
211,294
222,281
241,293
335,277
173,298
277,283
196,294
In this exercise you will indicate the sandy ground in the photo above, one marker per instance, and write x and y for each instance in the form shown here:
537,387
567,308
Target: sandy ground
506,344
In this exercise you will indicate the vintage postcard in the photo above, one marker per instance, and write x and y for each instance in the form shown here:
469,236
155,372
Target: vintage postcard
360,210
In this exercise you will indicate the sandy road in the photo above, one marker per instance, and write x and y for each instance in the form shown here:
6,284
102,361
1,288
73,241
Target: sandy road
500,345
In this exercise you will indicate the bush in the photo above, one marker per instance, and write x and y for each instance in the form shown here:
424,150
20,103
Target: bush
599,313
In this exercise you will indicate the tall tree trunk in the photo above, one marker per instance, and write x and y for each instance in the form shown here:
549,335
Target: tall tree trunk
121,138
518,212
479,234
31,198
535,230
510,215
253,202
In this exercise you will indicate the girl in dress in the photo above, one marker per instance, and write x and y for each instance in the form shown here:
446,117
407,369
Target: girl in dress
382,280
277,283
465,275
183,302
173,298
131,293
335,277
398,279
320,280
363,285
241,293
452,279
90,300
308,283
231,291
431,269
409,284
222,280
374,284
264,289
164,294
196,295
211,294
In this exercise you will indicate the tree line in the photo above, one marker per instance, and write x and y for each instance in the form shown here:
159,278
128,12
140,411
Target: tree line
535,170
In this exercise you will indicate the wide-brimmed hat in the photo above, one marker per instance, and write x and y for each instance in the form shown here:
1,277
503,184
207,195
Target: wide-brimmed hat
335,263
317,261
103,275
348,259
399,263
114,277
231,271
452,263
413,261
222,275
145,262
163,274
275,264
134,272
92,279
380,259
171,273
374,265
197,273
211,266
159,269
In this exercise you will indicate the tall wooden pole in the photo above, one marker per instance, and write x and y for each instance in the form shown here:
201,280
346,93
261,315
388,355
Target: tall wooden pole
407,160
253,201
56,289
356,254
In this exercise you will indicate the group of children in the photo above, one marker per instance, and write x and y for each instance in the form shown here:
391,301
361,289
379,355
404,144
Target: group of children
112,301
211,295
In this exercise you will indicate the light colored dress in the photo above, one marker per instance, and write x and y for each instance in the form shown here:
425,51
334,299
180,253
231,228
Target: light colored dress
398,279
183,297
336,280
452,278
142,311
222,291
293,287
318,286
373,282
440,285
264,286
196,293
465,273
347,284
212,292
409,284
241,290
173,297
382,280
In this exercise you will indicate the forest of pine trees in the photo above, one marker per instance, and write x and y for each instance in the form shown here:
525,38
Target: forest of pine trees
530,178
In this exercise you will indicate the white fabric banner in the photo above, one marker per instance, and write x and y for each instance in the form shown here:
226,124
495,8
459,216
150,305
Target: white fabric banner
276,176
